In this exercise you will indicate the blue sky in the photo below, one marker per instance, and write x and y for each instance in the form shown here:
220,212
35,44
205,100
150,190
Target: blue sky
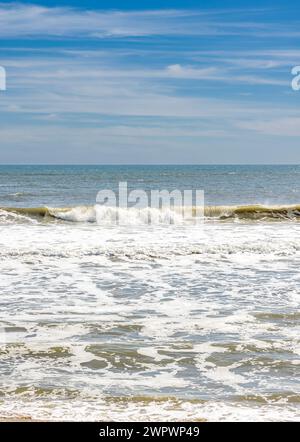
149,82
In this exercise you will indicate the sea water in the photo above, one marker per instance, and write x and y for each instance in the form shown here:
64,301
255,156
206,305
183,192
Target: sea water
149,322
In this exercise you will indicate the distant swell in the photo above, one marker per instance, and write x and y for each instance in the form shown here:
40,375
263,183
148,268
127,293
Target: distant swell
99,214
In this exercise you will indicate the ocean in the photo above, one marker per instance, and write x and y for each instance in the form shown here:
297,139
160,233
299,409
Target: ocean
182,321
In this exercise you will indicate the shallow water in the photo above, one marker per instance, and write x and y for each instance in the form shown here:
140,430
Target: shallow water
162,322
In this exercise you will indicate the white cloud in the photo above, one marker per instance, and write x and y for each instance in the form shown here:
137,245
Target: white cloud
221,74
178,71
285,127
72,97
23,20
29,20
75,85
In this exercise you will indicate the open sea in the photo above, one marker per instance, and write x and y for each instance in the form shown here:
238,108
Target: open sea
100,321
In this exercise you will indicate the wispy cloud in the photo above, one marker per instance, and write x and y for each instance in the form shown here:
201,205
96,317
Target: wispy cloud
194,85
216,74
23,20
284,127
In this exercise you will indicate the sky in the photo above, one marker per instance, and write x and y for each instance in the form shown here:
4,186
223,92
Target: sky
140,82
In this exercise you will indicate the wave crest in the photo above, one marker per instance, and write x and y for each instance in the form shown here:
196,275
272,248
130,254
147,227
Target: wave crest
134,216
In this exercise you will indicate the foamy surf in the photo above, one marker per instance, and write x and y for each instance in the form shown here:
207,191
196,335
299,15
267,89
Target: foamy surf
168,321
149,409
99,322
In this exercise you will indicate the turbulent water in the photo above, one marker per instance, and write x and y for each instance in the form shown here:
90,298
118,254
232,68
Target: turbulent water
153,322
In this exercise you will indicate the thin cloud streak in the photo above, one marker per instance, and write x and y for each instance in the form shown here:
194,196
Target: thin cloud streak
28,21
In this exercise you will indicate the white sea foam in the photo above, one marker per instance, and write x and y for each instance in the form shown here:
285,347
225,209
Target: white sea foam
104,215
206,313
150,410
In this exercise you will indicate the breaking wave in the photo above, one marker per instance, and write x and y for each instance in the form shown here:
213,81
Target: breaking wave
108,215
